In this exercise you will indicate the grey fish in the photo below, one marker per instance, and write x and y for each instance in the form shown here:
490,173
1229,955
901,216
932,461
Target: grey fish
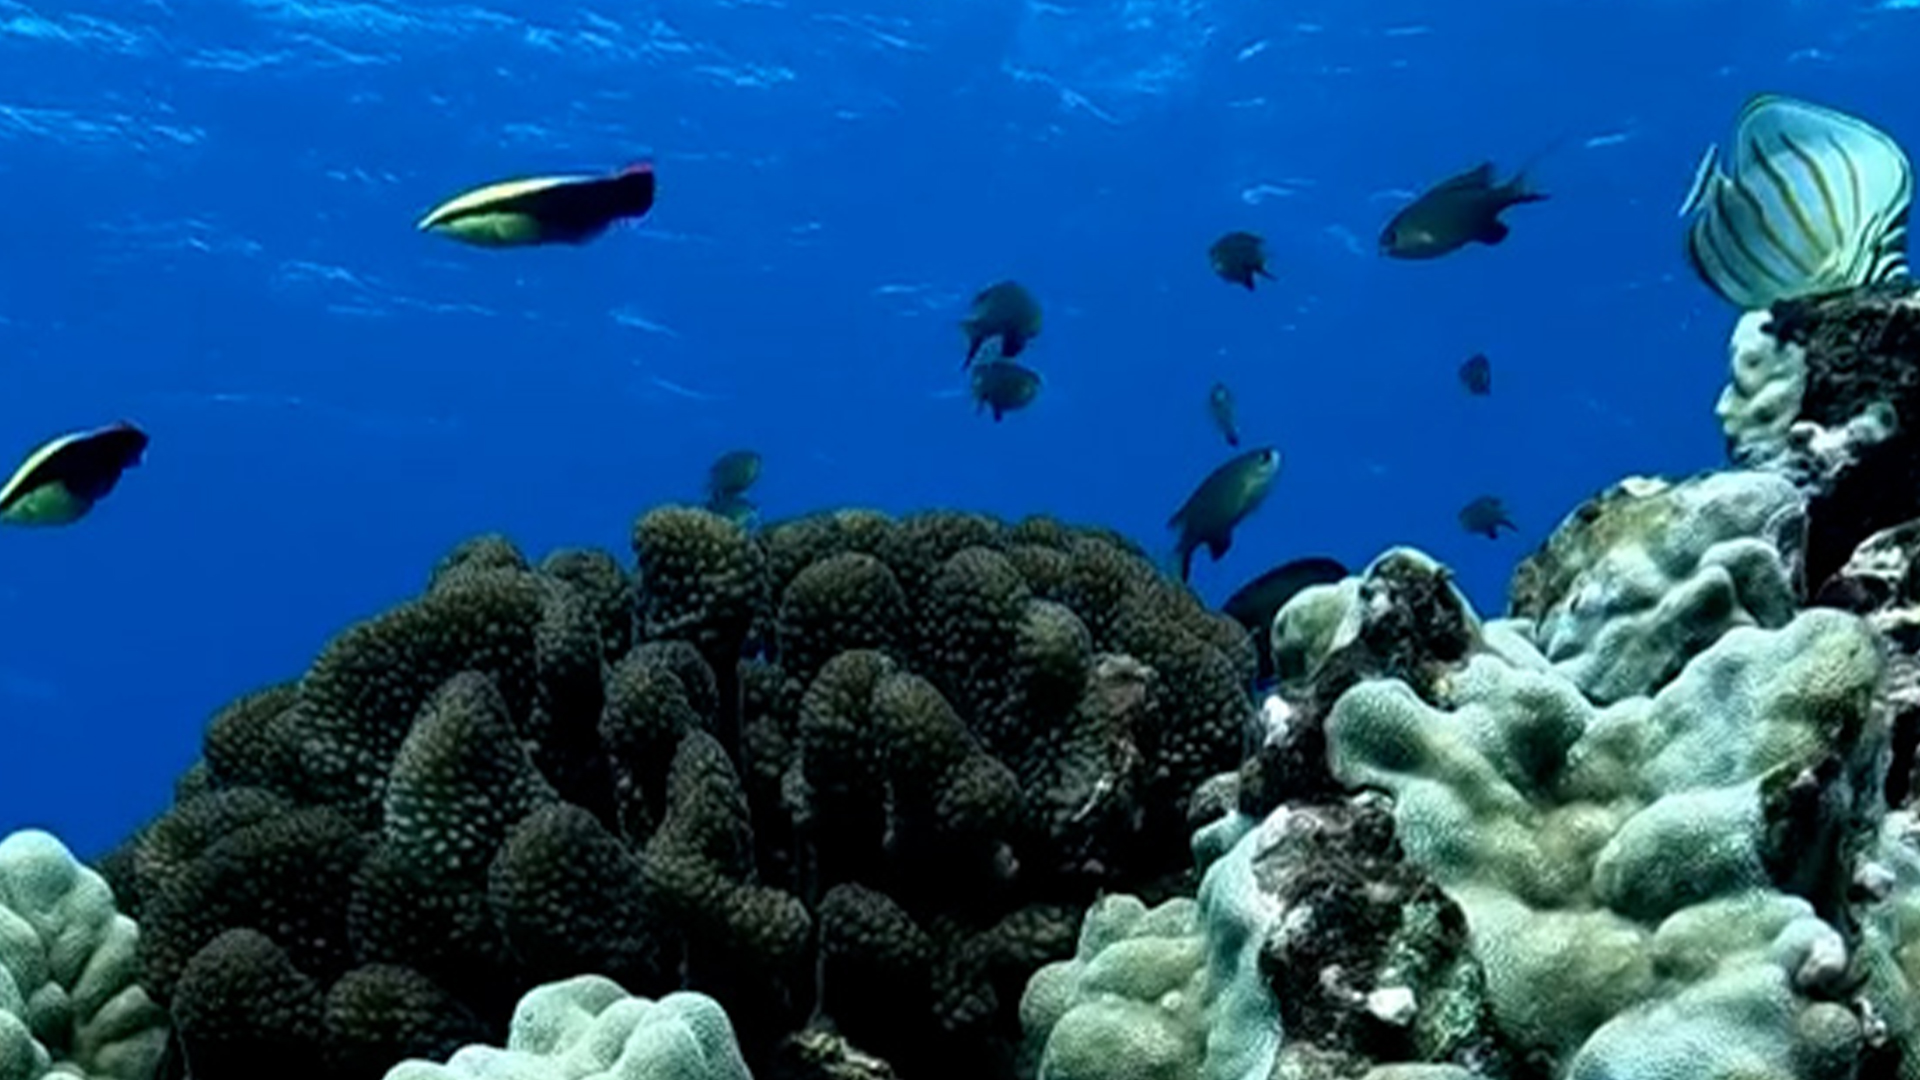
1239,257
1476,374
1220,407
1457,211
732,473
1003,386
1003,310
1484,516
1817,201
1221,502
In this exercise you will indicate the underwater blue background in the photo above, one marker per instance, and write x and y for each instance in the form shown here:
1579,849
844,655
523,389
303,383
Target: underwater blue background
209,231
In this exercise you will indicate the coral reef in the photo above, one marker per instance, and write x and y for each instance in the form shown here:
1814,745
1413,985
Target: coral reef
866,797
1641,577
1682,863
590,1026
70,1001
853,777
1825,392
1310,924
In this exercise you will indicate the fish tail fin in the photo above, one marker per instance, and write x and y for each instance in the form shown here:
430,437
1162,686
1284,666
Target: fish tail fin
1520,189
1184,554
1519,192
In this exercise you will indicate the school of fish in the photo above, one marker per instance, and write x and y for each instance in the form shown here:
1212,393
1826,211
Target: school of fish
1808,200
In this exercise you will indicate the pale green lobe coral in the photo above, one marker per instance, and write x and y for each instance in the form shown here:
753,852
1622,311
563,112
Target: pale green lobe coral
70,1002
1306,630
1173,992
1129,1004
1621,866
1763,407
1768,379
1648,573
589,1028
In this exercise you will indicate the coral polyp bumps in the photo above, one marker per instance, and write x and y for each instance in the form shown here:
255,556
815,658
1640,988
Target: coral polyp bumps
941,796
853,775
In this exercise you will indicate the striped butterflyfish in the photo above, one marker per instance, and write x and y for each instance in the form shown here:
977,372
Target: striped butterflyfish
1815,201
62,479
543,209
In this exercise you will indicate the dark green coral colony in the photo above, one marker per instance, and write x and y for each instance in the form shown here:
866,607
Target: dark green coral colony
855,777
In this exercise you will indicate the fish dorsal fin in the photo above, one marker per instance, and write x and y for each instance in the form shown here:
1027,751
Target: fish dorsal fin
1478,178
27,476
1704,175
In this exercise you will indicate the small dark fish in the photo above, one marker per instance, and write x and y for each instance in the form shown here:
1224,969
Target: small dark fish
63,479
1003,386
732,473
1239,257
1255,605
1220,407
1003,310
1458,211
1484,516
1476,374
1221,502
734,507
543,209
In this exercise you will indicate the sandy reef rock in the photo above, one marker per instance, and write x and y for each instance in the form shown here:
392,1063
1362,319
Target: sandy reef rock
70,1001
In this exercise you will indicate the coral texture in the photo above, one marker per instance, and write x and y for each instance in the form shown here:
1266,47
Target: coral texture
1825,392
588,1026
70,1003
852,777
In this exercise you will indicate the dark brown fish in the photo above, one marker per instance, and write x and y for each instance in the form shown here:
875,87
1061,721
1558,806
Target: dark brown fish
1003,386
1003,310
1239,257
1484,516
1476,374
1221,502
1220,407
544,209
732,473
1256,603
1458,211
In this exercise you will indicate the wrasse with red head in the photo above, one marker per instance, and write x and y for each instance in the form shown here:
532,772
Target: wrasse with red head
543,209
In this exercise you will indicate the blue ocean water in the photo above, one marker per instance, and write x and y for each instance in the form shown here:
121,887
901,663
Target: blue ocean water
210,232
